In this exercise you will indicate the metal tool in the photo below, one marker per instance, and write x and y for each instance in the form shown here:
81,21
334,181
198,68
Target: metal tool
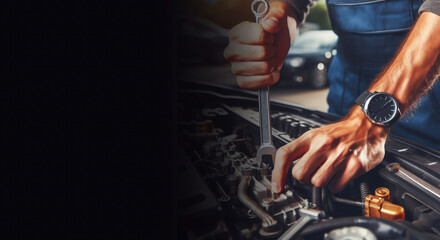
260,9
307,216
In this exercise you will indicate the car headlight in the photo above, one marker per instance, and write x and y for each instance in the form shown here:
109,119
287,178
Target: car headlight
297,62
328,54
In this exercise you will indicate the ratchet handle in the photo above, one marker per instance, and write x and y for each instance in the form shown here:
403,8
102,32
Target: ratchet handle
264,115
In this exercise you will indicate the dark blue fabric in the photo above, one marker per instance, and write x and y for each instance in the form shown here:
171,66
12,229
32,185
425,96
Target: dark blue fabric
370,33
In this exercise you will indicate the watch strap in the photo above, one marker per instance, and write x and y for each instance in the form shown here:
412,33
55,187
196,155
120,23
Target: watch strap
361,99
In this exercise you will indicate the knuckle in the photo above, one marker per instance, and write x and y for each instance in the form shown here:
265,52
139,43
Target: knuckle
240,82
244,86
233,35
327,138
298,175
282,153
312,133
261,37
334,163
234,69
267,67
264,52
330,138
245,82
261,34
317,182
278,9
269,80
323,138
344,148
236,31
281,11
227,53
261,52
357,165
275,77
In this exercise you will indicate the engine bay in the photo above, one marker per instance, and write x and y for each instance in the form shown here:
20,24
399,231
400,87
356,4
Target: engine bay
224,194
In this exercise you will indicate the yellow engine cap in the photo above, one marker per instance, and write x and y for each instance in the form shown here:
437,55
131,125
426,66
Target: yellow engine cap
383,192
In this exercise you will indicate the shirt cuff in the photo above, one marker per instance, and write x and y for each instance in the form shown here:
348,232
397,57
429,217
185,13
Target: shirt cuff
300,8
430,6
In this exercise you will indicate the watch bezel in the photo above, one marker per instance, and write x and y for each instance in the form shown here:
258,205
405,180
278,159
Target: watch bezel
385,122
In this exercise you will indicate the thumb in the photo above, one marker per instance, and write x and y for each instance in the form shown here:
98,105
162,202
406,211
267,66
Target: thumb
277,13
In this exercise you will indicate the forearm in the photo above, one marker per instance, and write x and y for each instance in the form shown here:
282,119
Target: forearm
416,65
299,8
296,11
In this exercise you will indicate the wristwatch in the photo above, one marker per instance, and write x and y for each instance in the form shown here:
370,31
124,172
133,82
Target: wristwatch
380,107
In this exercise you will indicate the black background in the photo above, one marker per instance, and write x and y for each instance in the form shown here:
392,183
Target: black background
87,119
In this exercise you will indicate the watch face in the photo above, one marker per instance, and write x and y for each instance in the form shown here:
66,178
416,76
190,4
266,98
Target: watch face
381,108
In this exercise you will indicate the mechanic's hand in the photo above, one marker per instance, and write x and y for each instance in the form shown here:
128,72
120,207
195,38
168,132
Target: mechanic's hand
333,154
257,52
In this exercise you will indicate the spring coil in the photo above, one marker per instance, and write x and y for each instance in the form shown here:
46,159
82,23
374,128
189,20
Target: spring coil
316,197
324,199
365,190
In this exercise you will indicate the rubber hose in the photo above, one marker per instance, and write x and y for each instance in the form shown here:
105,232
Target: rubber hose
316,197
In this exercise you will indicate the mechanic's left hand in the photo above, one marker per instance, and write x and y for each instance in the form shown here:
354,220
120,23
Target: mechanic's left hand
333,154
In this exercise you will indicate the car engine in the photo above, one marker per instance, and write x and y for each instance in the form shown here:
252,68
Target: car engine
224,194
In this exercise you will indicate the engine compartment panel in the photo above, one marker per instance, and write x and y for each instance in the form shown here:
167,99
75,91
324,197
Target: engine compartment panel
223,194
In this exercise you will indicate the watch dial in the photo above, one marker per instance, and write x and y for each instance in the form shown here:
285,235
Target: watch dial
382,108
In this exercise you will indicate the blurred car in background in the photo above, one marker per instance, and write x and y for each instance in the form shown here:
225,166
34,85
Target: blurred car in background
308,59
201,41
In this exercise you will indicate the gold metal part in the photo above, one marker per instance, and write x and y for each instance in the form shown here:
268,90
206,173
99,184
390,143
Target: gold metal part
377,207
383,193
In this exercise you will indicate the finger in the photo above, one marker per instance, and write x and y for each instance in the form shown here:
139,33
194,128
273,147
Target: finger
284,157
275,16
250,33
307,165
253,68
350,171
333,163
258,81
243,52
317,154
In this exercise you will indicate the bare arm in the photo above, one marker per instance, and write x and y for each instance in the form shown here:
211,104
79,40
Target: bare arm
414,69
337,153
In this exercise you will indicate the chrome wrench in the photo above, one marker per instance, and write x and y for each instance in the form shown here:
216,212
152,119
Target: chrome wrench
260,9
307,216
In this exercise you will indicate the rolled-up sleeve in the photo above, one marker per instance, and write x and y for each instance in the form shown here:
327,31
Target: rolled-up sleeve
430,6
300,8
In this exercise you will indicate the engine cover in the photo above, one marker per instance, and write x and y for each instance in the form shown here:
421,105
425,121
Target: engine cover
223,194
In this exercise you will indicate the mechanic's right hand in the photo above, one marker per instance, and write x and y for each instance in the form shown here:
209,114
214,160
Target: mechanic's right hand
257,51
